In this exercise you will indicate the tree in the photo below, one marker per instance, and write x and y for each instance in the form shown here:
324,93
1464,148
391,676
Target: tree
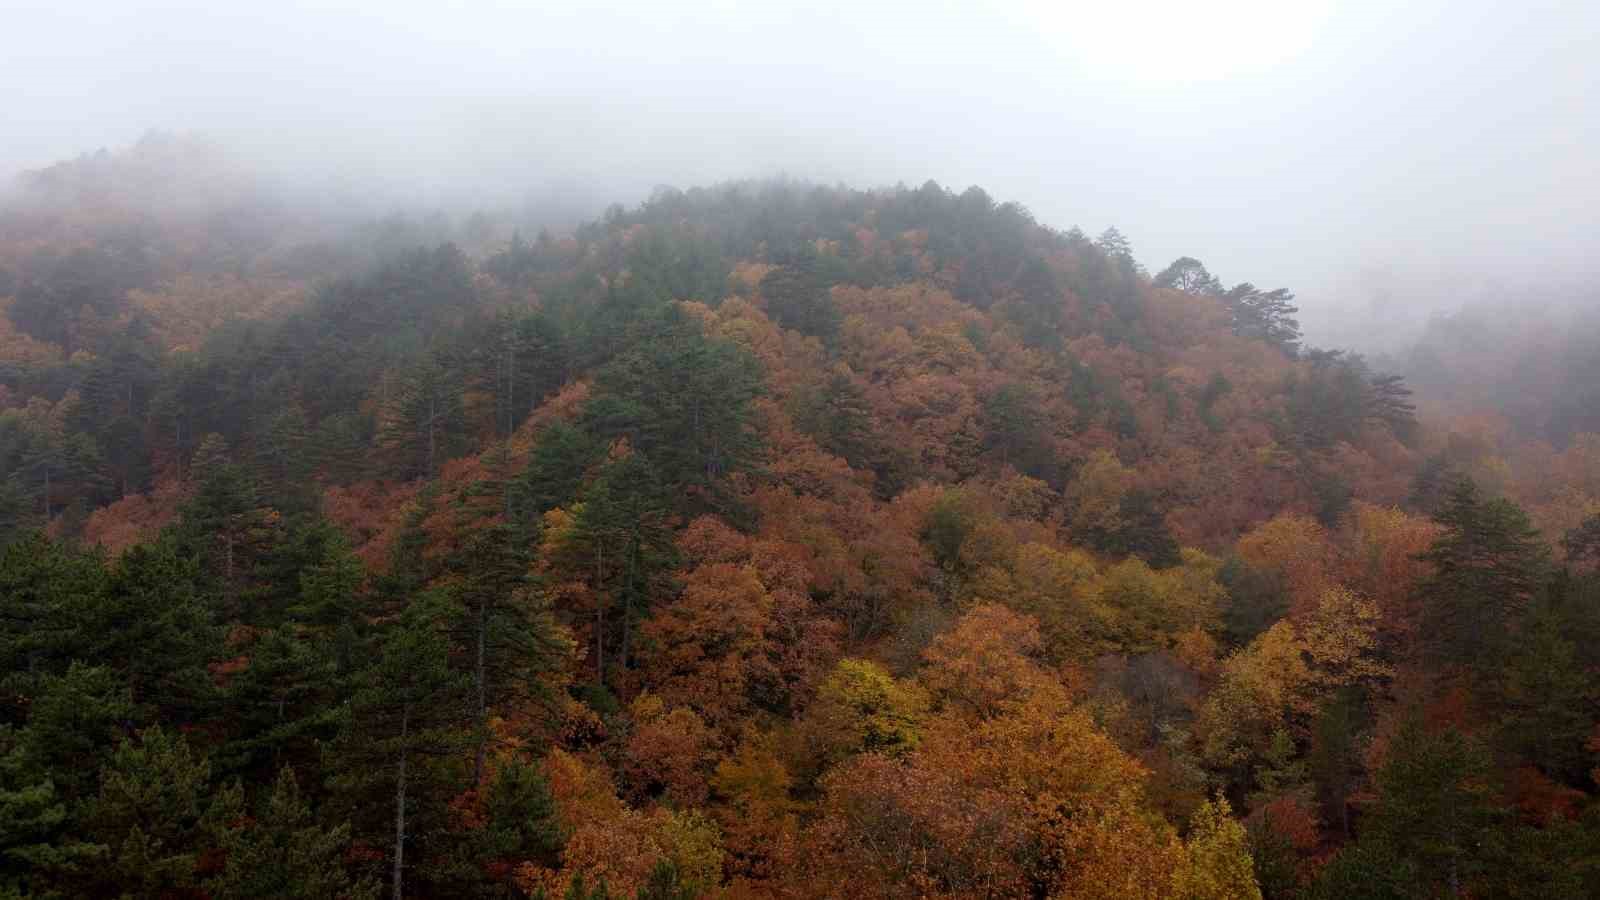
621,531
683,400
76,718
513,821
226,523
423,421
47,586
1435,808
513,642
1388,401
1219,865
861,708
1583,543
709,649
837,415
1264,315
153,796
1016,429
409,712
1114,244
153,626
282,851
1333,760
798,298
283,703
283,451
1487,564
985,663
34,844
1545,698
1188,275
1038,309
560,461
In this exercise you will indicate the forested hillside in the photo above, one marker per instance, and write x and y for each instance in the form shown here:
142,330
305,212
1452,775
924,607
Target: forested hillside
764,540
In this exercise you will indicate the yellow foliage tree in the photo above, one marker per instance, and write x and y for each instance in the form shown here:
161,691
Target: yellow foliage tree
1217,864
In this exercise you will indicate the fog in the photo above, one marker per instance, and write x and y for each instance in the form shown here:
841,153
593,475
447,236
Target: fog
1382,160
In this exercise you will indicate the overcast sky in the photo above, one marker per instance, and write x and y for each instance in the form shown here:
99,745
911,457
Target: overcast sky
1382,156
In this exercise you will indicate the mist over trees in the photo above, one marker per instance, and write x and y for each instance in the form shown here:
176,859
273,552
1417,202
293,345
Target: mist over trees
764,539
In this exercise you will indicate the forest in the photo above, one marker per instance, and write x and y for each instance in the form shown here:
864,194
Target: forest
764,540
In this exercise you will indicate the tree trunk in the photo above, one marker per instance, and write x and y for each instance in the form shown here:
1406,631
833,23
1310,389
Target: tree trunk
433,417
599,616
483,701
400,811
511,393
627,598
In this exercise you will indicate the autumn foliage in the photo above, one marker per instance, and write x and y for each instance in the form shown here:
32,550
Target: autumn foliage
761,541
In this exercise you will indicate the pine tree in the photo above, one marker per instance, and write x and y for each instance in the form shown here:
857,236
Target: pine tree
1487,564
283,703
685,401
423,420
1188,275
283,851
623,526
283,456
519,823
512,641
154,627
34,845
1545,698
46,587
1435,807
1264,315
226,523
561,459
411,713
1582,544
154,792
798,298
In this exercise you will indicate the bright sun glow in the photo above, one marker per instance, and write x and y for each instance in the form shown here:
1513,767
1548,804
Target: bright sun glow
1165,42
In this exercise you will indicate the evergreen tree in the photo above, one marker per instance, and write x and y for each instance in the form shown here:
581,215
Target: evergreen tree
562,456
74,721
1487,564
798,298
1037,308
685,401
622,528
1188,275
1582,544
506,626
283,851
339,445
1547,702
423,420
34,844
1016,430
153,627
1264,315
226,524
409,716
1389,401
284,458
519,824
1435,811
46,588
283,703
1334,761
154,793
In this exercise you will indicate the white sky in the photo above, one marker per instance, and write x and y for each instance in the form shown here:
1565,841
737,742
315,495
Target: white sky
1435,150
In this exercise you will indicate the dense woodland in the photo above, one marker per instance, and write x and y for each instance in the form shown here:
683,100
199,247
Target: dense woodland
764,540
